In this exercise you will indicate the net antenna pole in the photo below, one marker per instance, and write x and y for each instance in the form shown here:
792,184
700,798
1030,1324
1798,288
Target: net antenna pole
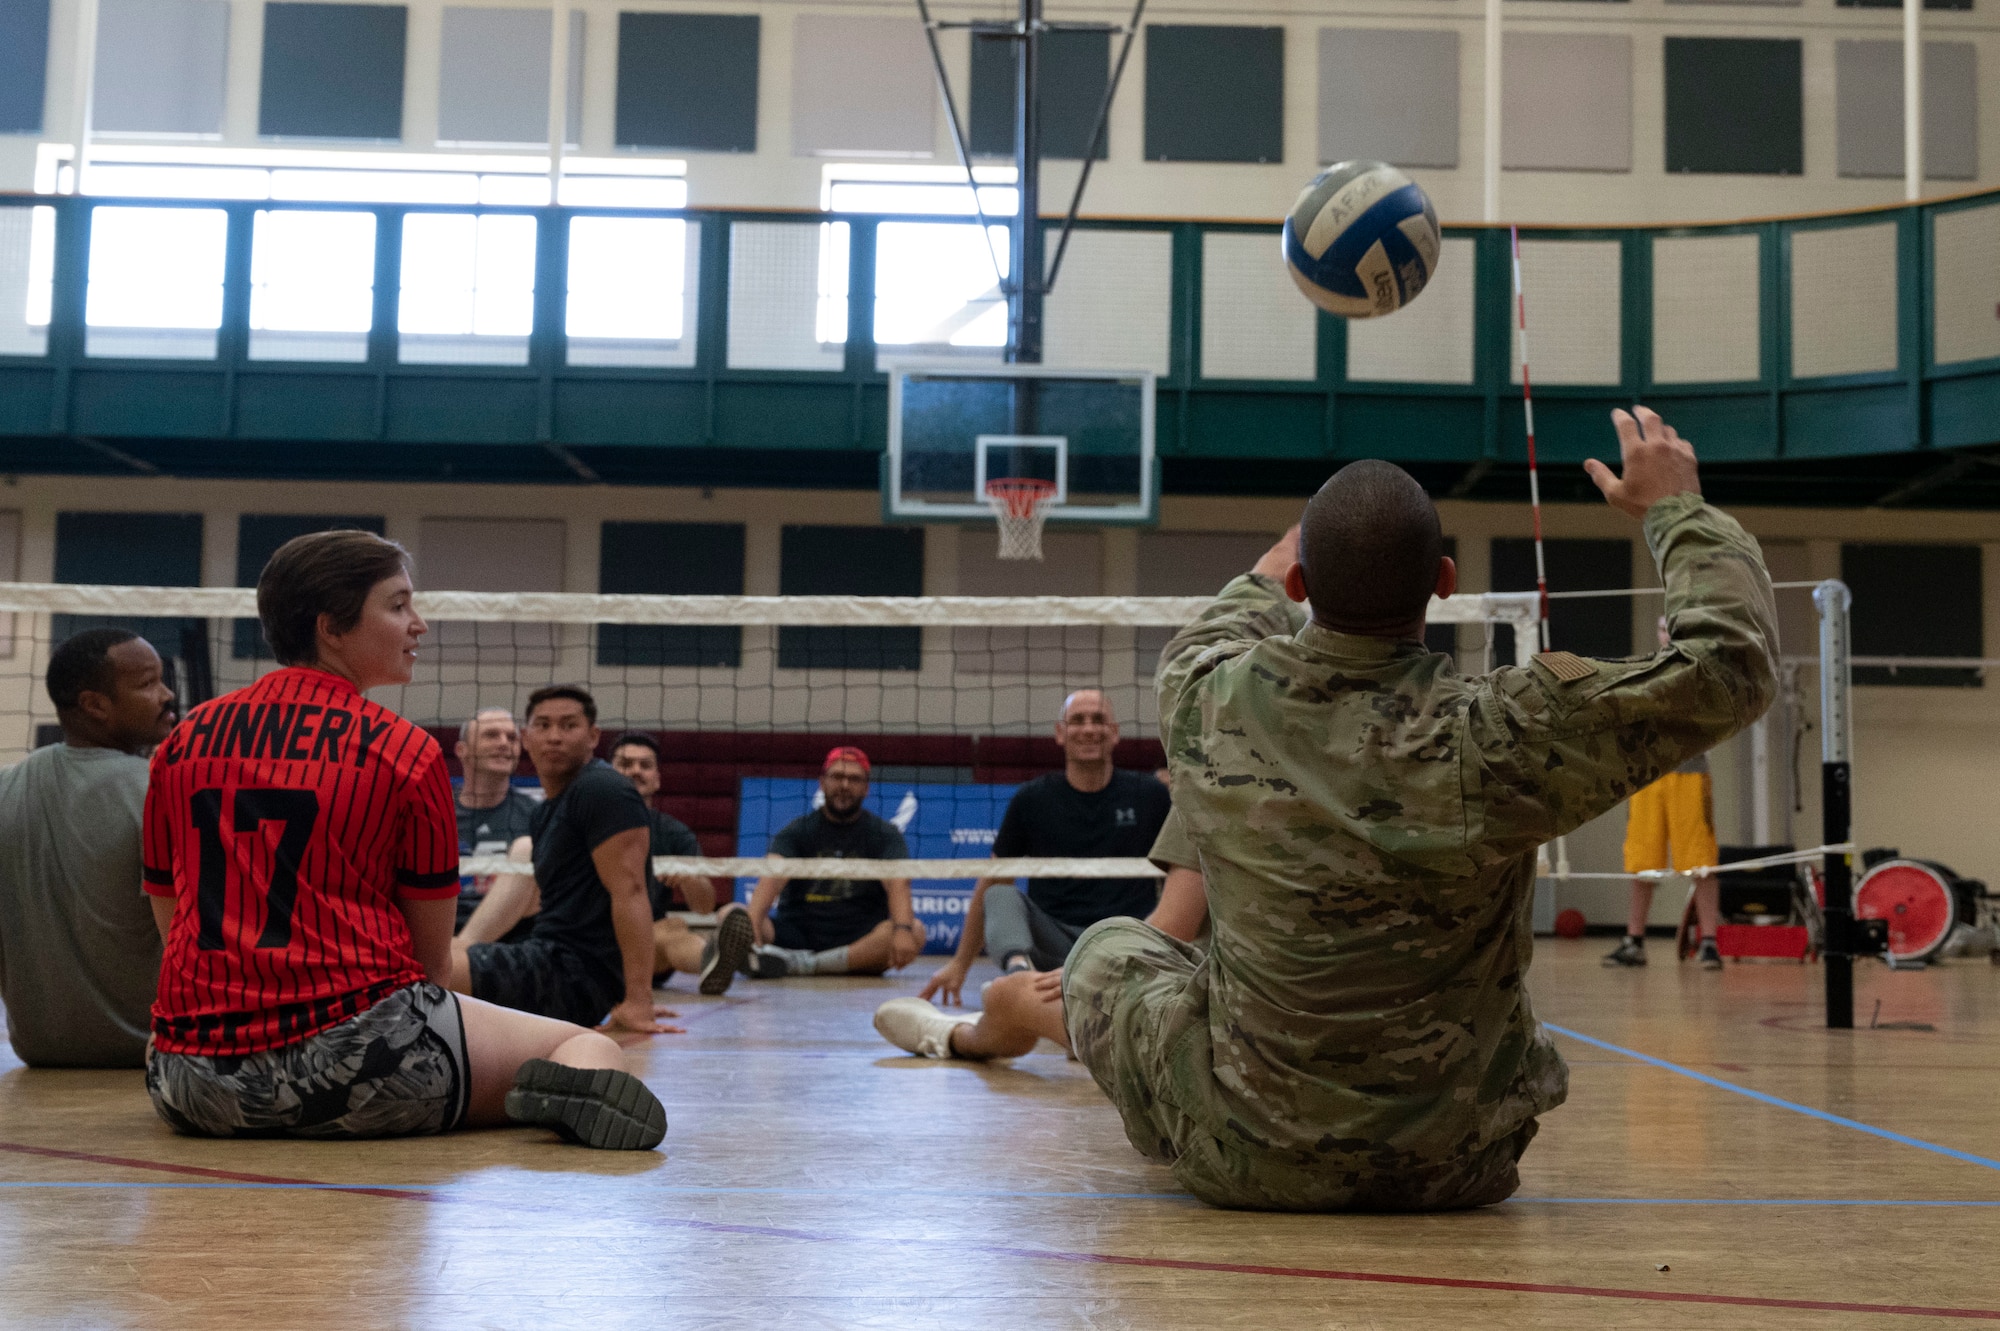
1832,599
1534,488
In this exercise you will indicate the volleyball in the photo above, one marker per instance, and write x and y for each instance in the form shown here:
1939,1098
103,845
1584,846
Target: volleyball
1361,240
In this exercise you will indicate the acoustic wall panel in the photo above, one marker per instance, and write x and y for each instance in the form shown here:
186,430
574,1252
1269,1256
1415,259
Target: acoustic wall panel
1076,67
1572,289
1706,309
1868,80
160,66
1428,341
333,71
1965,253
1254,322
24,64
688,81
493,76
1214,93
1390,94
1735,105
1566,102
493,555
1112,307
1843,299
862,86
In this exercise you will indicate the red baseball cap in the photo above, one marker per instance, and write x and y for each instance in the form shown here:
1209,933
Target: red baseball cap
845,753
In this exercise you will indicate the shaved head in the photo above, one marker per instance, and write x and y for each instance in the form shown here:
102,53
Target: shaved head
1098,697
1370,546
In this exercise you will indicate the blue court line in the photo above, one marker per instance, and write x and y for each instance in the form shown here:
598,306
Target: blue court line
926,1192
1965,1157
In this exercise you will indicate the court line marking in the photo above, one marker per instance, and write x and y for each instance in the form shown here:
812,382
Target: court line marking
1084,1258
1964,1157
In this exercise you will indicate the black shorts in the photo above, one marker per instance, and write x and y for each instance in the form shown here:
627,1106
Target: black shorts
816,931
397,1069
539,976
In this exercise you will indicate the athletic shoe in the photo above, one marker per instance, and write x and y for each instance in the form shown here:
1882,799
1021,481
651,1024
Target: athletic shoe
1629,952
1709,956
917,1026
600,1107
726,950
765,962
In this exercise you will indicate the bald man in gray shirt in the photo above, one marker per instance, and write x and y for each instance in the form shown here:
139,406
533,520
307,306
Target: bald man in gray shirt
79,951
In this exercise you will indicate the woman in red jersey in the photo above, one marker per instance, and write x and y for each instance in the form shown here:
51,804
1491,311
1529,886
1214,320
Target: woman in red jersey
302,854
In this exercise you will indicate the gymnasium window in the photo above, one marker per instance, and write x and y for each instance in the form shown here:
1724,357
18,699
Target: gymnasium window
1916,600
312,285
155,285
936,287
27,279
1593,626
851,561
258,536
468,289
670,559
632,283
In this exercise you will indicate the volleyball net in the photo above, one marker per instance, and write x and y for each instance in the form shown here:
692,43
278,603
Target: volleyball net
953,699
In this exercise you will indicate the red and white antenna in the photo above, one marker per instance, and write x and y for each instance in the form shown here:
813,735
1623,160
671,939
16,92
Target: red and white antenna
1528,412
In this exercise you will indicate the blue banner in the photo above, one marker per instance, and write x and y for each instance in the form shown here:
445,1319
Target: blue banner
941,821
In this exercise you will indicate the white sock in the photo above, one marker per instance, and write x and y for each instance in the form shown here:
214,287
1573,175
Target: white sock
833,961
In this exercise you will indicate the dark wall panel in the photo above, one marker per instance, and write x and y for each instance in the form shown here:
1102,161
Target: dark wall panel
24,64
1214,93
850,561
1735,106
688,81
670,559
333,71
1594,626
1915,600
1076,67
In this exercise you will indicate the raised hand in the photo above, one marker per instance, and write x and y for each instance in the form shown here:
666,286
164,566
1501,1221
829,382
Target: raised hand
1657,463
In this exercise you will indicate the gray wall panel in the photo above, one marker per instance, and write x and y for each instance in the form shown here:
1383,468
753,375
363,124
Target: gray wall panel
862,85
493,76
24,64
1076,66
333,71
1214,93
1868,80
160,66
1388,94
1736,105
688,81
1566,102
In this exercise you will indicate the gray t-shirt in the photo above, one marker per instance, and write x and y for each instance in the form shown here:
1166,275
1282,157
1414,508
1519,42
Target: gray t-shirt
79,952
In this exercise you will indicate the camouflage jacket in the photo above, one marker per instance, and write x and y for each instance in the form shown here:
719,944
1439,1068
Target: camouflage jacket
1367,821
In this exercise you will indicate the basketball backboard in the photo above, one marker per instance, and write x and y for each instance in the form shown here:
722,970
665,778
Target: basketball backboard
954,428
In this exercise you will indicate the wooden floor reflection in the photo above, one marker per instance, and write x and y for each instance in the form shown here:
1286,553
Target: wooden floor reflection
813,1177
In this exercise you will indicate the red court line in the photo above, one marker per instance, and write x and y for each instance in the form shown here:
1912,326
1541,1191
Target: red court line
1091,1258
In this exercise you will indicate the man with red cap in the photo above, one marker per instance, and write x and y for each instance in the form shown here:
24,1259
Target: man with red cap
835,926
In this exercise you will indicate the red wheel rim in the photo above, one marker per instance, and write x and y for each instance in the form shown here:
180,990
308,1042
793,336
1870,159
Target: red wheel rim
1915,900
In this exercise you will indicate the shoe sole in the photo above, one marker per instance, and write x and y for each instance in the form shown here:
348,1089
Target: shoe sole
734,938
601,1108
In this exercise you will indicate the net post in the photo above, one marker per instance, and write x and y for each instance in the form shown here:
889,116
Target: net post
1832,600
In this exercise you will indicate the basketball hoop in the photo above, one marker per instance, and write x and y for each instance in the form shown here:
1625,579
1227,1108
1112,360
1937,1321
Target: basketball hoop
1021,504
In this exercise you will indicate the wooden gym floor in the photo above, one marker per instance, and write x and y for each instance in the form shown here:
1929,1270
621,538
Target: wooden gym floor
813,1177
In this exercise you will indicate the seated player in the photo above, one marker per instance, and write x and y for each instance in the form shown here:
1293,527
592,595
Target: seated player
713,961
302,855
1358,1035
836,926
79,956
1671,824
492,820
1090,809
589,956
1025,1010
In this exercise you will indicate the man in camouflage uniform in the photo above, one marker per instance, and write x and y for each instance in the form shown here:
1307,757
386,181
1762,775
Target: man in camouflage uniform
1358,1035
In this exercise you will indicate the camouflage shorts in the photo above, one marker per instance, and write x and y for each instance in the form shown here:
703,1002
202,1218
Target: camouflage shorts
1135,1002
397,1069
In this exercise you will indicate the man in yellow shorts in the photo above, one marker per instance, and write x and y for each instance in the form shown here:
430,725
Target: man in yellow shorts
1671,824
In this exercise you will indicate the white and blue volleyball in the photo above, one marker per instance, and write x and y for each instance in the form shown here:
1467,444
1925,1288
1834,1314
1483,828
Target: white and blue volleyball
1362,240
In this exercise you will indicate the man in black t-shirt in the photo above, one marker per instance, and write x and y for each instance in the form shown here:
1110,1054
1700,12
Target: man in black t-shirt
1090,809
492,817
713,961
836,926
590,954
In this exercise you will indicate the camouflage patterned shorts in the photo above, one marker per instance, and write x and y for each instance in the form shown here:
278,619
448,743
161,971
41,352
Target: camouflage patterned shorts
1135,1002
397,1069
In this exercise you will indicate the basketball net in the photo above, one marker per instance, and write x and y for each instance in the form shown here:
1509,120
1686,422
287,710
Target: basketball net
1020,503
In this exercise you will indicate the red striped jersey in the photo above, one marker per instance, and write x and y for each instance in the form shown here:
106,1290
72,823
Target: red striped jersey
286,819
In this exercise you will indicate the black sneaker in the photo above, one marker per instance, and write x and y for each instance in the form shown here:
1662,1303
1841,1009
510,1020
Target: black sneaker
1629,952
725,951
600,1107
765,963
1708,955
